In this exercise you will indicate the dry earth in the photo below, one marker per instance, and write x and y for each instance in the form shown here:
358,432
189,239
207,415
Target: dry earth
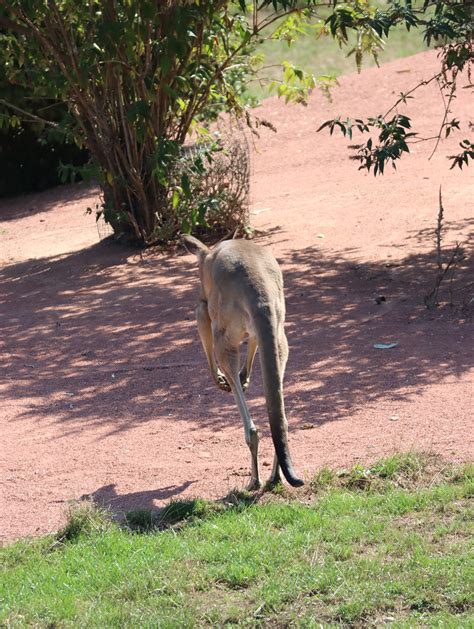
104,387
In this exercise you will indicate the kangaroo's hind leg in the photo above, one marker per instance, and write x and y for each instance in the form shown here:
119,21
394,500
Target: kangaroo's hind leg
247,368
228,359
205,334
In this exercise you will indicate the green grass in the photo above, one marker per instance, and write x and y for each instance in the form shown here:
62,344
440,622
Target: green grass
323,56
396,548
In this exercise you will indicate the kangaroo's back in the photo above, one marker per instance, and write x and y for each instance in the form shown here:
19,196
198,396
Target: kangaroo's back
249,273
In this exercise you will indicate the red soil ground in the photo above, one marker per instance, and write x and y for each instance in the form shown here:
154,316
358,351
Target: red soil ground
104,387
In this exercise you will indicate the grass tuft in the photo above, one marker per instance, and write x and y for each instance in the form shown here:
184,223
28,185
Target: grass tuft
239,498
463,473
358,478
323,479
409,471
140,520
179,511
84,519
278,489
408,466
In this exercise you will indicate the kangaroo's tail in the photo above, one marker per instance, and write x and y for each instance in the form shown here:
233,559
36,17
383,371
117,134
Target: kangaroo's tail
272,384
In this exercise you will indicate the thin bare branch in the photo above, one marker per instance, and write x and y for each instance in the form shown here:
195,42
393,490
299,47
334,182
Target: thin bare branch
447,111
30,117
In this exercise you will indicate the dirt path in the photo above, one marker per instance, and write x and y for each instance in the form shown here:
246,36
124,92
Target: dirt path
103,384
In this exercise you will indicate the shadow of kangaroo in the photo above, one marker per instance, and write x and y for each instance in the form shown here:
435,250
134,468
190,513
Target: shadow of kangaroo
242,297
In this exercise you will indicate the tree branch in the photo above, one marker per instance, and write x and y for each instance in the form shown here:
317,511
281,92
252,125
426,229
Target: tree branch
11,25
29,114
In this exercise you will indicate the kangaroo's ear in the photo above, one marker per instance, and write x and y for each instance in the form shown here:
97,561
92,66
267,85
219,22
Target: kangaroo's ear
193,245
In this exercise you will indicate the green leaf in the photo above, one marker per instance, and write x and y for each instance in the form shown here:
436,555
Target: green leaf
138,109
185,226
175,199
185,185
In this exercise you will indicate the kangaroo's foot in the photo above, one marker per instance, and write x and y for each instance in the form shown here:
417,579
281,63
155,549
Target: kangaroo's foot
275,476
244,380
222,382
273,481
254,485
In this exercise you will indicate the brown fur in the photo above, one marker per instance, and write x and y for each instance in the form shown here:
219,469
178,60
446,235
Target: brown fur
242,297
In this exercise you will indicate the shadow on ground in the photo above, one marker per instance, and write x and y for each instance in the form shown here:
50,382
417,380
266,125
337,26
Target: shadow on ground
338,310
108,498
14,208
106,337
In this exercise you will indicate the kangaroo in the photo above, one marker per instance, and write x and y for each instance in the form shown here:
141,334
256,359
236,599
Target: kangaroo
242,297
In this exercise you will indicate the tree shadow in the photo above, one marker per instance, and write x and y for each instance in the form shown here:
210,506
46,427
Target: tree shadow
14,208
106,337
449,228
337,310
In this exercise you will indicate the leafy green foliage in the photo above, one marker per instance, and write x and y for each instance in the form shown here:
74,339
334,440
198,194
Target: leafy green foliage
30,150
392,139
137,79
449,22
30,162
463,158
